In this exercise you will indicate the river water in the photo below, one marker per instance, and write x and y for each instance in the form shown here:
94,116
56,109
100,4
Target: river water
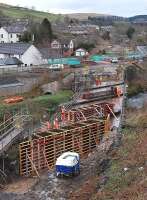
137,101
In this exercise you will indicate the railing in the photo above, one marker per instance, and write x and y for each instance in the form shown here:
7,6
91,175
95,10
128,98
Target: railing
10,129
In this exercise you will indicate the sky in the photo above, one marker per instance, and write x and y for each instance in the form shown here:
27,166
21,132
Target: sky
115,7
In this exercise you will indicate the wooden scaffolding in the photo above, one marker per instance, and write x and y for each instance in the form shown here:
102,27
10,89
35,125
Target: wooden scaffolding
42,151
100,110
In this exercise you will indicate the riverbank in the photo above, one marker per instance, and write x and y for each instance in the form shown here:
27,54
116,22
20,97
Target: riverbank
127,175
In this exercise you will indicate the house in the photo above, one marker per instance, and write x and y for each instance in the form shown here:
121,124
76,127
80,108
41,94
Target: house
55,44
9,63
50,53
65,45
81,52
25,52
61,44
11,34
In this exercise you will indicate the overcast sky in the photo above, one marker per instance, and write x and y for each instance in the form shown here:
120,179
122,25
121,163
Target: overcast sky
115,7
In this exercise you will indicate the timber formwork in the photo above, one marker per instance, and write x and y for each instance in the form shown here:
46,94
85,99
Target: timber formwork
96,110
42,151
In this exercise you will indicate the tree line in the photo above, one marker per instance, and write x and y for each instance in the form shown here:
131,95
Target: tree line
39,33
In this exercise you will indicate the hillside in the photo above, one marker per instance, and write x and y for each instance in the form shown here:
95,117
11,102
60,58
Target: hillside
84,16
20,12
138,18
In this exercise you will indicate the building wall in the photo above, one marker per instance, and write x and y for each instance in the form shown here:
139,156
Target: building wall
3,55
4,36
8,66
32,57
8,37
80,53
55,45
13,37
71,45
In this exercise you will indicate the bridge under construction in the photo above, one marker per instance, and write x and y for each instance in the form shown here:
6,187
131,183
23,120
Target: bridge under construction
79,125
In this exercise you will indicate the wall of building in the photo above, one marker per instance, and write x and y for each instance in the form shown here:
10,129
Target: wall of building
27,84
13,37
32,57
80,53
5,38
5,67
8,37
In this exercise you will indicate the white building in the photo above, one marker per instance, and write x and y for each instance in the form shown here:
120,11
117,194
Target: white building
11,34
56,44
81,52
28,54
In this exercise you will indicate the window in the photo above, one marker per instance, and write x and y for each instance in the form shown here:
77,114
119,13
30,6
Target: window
2,35
11,35
2,41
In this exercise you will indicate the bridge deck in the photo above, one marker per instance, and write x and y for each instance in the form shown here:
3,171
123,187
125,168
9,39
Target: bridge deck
7,140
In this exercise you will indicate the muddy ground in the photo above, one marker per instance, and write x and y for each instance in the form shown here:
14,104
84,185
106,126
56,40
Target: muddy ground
51,188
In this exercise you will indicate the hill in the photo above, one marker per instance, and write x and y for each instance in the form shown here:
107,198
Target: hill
138,18
20,12
84,16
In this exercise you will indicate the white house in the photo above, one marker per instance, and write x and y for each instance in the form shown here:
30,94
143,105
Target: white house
28,54
56,44
11,34
81,52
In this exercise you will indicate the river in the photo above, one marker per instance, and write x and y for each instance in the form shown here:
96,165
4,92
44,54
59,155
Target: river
137,101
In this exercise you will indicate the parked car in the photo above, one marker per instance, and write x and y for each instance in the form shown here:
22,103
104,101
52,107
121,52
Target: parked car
114,60
56,66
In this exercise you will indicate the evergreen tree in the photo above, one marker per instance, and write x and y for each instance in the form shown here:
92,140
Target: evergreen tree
45,31
130,32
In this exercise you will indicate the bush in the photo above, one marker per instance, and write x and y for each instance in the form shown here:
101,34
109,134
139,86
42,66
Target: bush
86,46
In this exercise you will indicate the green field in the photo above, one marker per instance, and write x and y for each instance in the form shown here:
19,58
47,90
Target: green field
19,12
38,104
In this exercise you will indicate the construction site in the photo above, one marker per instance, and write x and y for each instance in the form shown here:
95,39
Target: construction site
83,125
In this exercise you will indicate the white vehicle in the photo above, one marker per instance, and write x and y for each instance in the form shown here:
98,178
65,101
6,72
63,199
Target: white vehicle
114,60
68,164
56,66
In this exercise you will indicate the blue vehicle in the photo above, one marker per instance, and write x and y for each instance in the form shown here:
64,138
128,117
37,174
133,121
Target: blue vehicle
68,164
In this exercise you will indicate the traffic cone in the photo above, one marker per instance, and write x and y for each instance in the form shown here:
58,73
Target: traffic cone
63,114
56,123
48,125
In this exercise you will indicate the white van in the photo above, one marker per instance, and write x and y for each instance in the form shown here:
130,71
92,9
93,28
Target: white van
114,60
56,66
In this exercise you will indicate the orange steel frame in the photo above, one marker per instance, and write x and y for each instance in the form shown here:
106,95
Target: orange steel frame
42,151
87,112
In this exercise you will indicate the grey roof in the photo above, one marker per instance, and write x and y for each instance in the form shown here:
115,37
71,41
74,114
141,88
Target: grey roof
14,48
48,53
15,29
10,61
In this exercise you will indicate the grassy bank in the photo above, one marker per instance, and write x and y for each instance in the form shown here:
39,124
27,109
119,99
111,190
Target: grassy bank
19,12
135,89
127,174
38,104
